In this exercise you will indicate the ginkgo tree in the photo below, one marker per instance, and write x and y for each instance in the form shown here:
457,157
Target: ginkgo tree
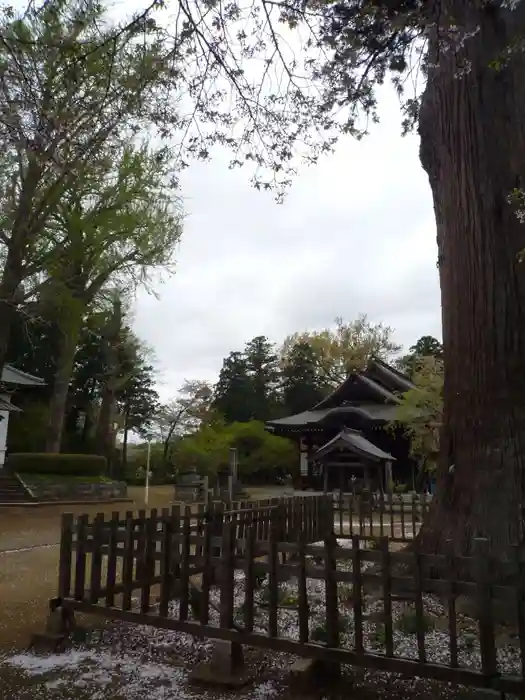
73,86
347,347
120,222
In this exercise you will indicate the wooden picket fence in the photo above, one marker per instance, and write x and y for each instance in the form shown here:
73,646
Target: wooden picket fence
188,571
379,515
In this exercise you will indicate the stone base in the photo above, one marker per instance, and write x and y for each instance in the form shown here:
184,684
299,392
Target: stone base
226,667
43,641
309,674
204,673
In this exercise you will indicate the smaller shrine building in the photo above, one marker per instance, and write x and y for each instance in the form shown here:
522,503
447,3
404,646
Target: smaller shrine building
347,439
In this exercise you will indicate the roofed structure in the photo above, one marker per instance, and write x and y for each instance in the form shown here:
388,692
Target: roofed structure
11,380
354,441
348,424
12,375
372,395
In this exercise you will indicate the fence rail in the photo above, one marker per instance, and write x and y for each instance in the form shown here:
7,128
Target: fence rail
224,575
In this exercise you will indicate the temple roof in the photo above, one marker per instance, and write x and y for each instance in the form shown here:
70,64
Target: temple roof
354,441
372,412
12,375
8,406
372,395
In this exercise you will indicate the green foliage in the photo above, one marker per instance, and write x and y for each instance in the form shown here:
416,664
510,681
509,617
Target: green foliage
302,386
136,465
27,430
408,623
426,346
420,411
47,463
65,478
248,386
263,457
232,395
320,632
347,347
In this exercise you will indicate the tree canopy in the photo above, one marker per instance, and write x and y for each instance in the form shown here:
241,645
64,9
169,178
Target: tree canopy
347,347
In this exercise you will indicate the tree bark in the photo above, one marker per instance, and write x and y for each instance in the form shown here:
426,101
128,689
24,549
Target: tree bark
104,433
57,408
472,131
125,442
9,286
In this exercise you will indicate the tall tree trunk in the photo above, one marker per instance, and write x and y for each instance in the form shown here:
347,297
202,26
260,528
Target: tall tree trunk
125,441
9,289
107,409
57,408
472,130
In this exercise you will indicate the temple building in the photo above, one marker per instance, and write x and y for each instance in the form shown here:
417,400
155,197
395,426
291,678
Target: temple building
347,439
12,379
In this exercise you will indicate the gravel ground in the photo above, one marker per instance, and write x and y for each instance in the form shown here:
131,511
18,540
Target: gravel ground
132,662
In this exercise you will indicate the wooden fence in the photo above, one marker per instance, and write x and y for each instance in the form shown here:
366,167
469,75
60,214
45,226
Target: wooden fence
175,571
379,515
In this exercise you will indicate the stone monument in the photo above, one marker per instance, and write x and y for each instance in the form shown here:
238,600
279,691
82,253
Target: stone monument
189,486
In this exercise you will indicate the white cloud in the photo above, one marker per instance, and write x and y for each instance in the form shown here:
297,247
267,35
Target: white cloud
355,234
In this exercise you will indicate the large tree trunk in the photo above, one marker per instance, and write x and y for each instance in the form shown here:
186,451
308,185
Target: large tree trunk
57,407
472,130
9,293
104,434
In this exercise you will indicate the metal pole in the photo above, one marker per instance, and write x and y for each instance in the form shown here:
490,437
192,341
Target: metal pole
148,460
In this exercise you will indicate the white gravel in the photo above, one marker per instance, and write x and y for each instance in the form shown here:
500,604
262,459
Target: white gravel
132,662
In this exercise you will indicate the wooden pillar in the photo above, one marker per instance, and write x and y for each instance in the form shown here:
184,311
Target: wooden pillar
388,476
325,478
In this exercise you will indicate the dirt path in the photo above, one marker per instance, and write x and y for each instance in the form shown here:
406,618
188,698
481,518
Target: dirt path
29,560
29,550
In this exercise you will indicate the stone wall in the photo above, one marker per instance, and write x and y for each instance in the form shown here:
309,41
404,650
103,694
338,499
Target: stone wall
75,490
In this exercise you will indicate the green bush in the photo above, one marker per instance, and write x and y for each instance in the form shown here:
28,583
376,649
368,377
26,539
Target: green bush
263,457
408,623
50,463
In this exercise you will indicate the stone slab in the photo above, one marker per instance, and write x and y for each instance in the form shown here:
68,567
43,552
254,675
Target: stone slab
207,675
307,674
43,641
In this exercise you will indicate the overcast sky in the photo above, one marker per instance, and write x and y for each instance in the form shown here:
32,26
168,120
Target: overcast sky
355,234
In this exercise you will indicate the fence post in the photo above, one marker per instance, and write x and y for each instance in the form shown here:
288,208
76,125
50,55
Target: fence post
66,552
387,595
414,515
96,557
184,567
111,573
273,585
127,563
452,621
80,564
357,593
227,574
519,589
249,577
166,574
148,570
420,619
207,573
302,590
487,644
332,608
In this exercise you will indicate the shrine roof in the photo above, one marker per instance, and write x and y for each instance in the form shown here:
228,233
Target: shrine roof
354,441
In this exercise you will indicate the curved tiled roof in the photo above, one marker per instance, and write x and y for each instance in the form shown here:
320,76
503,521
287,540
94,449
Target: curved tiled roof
354,441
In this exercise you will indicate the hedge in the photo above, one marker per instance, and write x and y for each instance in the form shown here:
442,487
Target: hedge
51,463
